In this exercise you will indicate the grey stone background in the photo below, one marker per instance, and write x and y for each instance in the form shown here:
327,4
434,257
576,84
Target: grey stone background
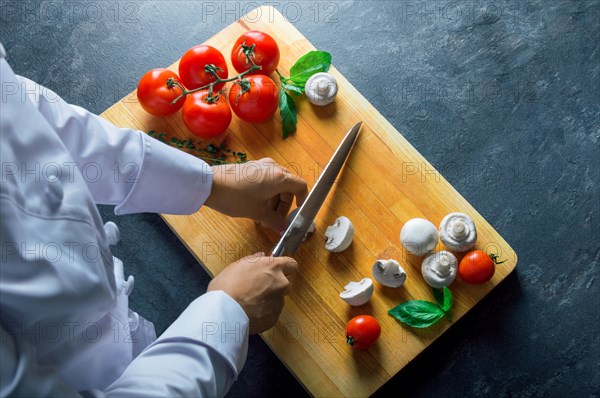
501,97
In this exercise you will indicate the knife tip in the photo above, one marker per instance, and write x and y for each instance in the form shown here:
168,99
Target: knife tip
356,128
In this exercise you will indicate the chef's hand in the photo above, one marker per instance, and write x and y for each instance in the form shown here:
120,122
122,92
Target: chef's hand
261,190
259,284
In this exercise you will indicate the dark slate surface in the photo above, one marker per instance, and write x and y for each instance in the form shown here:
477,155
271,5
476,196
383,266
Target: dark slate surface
501,97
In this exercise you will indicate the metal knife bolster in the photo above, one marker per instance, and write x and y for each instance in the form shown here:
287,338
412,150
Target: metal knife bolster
294,235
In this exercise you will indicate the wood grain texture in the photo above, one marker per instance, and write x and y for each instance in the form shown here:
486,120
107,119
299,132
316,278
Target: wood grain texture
385,183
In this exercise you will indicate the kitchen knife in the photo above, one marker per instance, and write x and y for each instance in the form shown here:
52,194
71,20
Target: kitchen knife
294,234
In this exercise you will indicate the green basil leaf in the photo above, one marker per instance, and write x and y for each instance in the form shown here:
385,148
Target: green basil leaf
287,110
417,313
308,65
294,89
448,301
439,296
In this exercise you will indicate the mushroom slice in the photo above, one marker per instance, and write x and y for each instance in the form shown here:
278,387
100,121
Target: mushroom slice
439,269
312,227
389,273
321,89
457,232
358,293
339,235
419,236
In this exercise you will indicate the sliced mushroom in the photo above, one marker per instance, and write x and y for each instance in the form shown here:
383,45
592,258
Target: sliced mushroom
321,89
419,236
358,293
439,269
457,232
389,273
339,235
312,227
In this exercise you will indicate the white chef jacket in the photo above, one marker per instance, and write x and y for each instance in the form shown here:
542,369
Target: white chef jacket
65,326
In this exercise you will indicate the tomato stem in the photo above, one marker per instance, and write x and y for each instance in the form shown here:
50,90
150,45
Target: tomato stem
245,87
495,259
248,51
172,82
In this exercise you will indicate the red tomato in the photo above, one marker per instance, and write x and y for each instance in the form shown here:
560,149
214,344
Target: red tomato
204,119
362,331
257,104
191,67
154,94
477,267
266,53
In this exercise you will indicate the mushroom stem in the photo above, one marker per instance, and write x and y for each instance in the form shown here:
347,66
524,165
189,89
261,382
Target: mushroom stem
322,88
439,269
458,232
459,229
442,268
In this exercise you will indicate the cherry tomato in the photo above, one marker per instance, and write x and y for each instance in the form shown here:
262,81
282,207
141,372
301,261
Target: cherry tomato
191,67
204,119
258,103
477,267
362,331
265,53
154,94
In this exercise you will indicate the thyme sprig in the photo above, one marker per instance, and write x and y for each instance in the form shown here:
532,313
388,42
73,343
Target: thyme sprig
210,153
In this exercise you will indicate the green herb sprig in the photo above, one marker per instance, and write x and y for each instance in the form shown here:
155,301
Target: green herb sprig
212,154
422,314
309,64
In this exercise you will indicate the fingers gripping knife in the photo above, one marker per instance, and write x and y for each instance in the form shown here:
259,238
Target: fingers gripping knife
294,235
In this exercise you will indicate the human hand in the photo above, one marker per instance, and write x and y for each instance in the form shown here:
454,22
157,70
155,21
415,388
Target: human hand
259,284
261,190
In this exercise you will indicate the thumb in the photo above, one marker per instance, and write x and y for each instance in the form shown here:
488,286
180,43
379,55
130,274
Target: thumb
274,220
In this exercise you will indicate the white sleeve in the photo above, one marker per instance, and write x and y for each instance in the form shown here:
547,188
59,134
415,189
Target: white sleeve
20,376
123,167
199,355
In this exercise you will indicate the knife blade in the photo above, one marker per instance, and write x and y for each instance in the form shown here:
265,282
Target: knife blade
294,234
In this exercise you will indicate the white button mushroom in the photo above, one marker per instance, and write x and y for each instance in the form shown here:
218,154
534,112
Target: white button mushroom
439,269
339,235
358,293
321,89
389,273
457,232
419,236
312,227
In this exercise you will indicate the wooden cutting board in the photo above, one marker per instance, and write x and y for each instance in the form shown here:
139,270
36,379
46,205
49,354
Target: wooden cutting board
385,183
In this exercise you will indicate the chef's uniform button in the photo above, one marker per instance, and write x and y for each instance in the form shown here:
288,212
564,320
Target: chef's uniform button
112,233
